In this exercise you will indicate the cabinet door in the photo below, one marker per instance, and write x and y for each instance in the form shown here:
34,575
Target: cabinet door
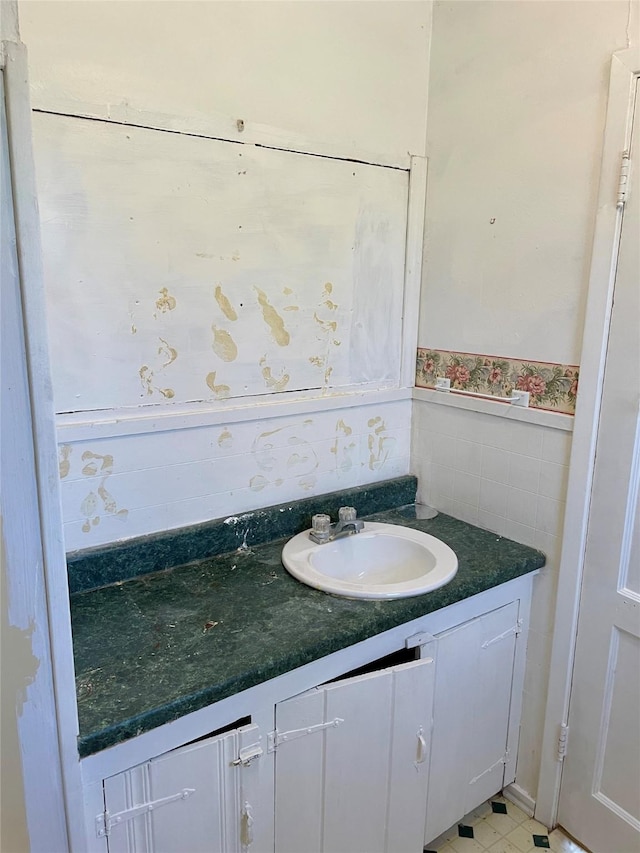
474,673
352,773
195,799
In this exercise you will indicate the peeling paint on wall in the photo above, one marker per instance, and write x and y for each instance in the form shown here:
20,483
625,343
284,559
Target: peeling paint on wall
327,328
220,390
225,305
379,444
225,439
223,344
169,352
258,482
147,380
270,381
343,446
91,468
284,449
64,463
19,668
165,302
273,320
99,465
170,294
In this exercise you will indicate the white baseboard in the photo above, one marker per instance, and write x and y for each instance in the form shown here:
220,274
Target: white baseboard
519,797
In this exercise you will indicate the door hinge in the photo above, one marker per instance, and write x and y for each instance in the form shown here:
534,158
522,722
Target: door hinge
419,639
275,738
563,733
106,821
623,180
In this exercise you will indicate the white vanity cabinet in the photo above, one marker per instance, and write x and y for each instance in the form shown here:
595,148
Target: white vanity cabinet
333,759
352,763
196,798
475,715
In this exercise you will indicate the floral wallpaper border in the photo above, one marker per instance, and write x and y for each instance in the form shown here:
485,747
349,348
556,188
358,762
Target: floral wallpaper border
551,386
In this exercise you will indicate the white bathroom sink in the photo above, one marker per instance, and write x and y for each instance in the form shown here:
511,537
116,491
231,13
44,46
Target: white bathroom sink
382,561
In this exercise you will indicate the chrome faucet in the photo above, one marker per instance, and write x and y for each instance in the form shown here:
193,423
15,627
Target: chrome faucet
322,530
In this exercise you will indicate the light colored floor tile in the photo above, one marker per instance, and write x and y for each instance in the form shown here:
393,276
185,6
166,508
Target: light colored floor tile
534,827
476,815
466,845
521,838
503,846
516,813
485,833
499,833
561,843
502,823
443,839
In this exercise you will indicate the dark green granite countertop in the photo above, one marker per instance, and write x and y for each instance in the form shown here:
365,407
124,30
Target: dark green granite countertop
151,649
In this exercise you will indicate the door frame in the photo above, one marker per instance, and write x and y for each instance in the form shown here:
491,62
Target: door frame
50,822
625,71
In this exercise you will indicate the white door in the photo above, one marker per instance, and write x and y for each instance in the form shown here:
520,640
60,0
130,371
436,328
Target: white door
196,799
352,762
600,791
471,710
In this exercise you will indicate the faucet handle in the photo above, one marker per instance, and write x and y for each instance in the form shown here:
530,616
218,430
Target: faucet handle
347,513
321,525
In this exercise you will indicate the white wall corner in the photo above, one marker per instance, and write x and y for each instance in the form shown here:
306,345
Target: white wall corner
633,25
9,27
413,268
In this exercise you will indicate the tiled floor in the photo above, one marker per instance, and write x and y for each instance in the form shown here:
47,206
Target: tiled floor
500,827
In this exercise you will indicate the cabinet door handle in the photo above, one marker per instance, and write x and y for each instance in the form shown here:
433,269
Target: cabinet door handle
246,833
422,747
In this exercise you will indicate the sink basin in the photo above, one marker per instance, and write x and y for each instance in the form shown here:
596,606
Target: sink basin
382,561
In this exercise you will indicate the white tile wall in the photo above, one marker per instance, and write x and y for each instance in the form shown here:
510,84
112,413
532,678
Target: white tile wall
509,477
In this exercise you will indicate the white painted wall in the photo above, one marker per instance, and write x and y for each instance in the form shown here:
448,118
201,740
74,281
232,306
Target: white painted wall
510,477
154,292
352,75
517,104
181,269
517,101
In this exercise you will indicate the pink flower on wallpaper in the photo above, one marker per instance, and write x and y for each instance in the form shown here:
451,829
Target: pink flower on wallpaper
533,384
457,373
429,365
573,375
495,376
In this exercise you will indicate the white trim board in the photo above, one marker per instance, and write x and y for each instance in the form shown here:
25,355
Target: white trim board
517,795
413,268
81,426
52,575
541,417
625,68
